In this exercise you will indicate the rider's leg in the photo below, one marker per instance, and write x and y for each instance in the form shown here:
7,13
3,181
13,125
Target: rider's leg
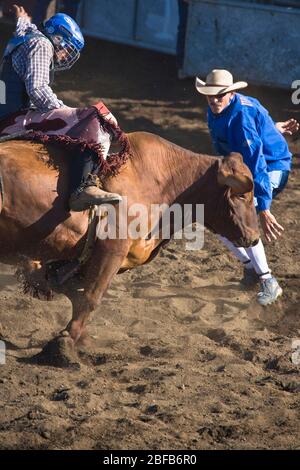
83,182
75,123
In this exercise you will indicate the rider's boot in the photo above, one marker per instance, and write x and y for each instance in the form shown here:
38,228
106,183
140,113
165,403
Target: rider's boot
84,190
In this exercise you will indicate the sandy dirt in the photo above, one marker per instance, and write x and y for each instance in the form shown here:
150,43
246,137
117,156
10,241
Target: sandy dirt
183,357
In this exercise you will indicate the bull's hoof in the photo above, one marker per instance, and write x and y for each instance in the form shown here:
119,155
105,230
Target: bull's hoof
59,352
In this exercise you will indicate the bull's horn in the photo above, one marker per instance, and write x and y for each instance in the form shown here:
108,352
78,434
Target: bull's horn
238,183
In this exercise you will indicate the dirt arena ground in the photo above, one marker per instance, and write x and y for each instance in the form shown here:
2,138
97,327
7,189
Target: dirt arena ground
183,357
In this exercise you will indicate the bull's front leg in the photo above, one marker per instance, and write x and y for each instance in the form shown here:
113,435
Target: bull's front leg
106,261
104,265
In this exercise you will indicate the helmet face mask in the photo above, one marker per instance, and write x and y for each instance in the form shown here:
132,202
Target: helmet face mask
65,56
67,40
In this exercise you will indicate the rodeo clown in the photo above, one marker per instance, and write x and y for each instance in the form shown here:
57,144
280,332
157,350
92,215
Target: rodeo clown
27,69
239,123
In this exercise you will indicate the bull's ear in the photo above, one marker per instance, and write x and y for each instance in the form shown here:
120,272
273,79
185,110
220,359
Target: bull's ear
239,183
235,174
235,159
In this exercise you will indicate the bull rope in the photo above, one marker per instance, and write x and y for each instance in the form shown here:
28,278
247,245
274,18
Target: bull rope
16,135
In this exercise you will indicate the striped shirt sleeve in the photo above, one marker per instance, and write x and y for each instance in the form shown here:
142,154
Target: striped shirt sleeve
37,77
24,26
32,62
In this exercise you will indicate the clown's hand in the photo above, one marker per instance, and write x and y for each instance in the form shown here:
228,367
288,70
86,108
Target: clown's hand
289,127
271,228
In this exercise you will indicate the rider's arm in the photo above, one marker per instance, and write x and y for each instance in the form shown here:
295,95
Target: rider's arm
37,77
24,26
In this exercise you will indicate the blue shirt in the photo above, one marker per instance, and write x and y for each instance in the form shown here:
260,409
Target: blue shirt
245,126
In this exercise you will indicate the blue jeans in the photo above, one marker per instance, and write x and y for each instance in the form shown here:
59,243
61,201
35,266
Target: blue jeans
283,179
278,180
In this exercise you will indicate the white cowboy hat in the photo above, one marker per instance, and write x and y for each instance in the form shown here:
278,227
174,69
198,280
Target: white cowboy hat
218,82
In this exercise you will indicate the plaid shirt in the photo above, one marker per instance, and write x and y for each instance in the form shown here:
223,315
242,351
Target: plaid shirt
32,61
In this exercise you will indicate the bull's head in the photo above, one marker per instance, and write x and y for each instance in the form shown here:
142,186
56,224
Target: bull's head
234,213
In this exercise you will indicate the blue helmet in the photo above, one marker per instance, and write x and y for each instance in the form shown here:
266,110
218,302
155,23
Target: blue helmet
67,39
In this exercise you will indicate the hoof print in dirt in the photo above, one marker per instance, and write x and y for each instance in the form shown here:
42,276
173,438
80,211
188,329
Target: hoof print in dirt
92,359
61,395
146,351
137,389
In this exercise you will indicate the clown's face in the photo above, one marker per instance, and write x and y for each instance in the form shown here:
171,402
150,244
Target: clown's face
218,103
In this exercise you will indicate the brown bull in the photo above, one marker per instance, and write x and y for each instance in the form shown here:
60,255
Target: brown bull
35,222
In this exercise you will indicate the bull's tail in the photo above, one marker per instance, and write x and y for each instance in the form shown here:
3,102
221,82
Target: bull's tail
1,193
